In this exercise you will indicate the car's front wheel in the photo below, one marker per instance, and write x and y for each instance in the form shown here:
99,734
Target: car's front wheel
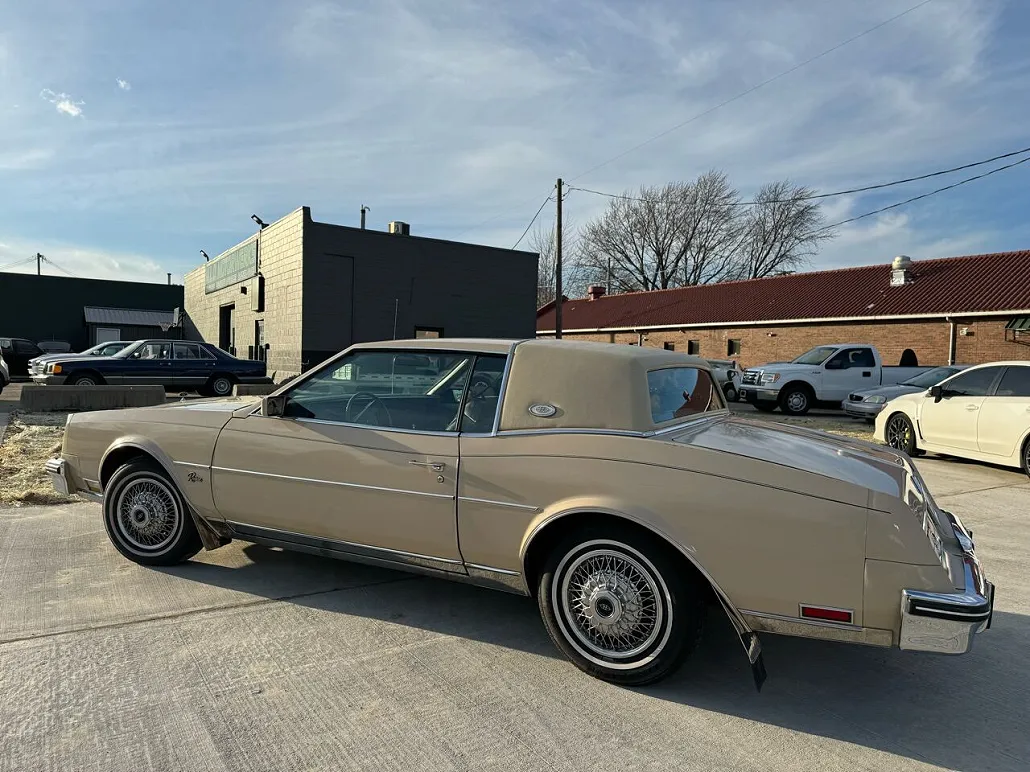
900,434
1026,457
147,518
620,605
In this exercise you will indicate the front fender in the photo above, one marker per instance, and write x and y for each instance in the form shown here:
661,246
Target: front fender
192,480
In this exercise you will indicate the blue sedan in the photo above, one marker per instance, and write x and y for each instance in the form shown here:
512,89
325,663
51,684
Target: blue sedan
172,364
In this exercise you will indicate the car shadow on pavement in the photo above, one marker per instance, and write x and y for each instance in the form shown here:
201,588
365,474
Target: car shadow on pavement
955,712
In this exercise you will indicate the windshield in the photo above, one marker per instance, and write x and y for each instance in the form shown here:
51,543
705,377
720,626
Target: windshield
816,356
930,377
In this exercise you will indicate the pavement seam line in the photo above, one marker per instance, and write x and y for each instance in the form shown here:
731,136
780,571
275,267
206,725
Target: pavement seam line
198,611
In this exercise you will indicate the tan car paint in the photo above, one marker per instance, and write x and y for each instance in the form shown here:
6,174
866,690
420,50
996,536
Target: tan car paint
374,488
772,532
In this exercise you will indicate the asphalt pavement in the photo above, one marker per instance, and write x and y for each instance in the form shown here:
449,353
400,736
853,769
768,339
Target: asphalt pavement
250,658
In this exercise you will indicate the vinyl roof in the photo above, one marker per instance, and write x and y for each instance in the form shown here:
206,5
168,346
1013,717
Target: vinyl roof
954,285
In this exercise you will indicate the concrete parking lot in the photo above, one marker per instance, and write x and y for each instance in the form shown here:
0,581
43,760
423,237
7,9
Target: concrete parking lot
249,658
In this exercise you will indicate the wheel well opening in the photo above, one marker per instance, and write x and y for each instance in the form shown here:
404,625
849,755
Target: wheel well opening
552,533
86,372
802,385
118,458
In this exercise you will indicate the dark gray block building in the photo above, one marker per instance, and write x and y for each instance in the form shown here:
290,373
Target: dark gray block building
86,311
299,291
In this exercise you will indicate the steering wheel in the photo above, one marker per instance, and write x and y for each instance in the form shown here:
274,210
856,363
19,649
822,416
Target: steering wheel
373,400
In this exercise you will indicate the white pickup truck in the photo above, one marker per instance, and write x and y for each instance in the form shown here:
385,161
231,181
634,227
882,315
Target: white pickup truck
824,375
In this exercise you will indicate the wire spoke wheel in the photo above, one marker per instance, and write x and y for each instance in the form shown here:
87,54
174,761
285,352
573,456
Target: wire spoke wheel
147,514
612,603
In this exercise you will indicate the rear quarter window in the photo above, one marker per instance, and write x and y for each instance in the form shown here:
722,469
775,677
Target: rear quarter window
678,392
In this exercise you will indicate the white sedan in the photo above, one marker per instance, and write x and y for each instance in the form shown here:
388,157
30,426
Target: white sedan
982,413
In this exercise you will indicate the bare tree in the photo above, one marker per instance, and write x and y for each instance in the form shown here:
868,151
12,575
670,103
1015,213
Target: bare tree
541,240
780,232
700,232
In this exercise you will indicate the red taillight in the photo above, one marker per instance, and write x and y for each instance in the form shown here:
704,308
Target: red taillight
826,614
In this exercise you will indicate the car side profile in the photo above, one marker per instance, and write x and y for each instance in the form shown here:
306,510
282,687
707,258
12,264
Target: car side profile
175,364
609,482
982,413
38,365
867,403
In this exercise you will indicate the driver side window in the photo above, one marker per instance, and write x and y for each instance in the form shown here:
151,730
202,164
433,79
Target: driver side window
395,389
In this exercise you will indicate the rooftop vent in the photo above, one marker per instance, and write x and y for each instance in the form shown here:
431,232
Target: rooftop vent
400,228
901,271
594,291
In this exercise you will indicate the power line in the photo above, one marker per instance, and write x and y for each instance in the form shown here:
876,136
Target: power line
849,191
538,211
20,262
751,90
48,261
924,195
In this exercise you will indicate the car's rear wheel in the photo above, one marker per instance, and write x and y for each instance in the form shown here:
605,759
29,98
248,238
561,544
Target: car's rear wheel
900,434
620,605
147,518
220,385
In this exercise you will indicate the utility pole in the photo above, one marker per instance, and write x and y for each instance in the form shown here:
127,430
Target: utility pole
557,267
39,264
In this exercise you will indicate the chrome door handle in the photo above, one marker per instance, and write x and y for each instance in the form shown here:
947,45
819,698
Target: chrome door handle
436,466
972,407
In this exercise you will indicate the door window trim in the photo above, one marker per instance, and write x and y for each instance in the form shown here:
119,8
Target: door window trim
475,355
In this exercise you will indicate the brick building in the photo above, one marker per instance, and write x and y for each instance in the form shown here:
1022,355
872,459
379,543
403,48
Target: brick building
298,291
964,310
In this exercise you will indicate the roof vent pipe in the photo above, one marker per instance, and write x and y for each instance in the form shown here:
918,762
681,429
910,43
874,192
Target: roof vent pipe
901,271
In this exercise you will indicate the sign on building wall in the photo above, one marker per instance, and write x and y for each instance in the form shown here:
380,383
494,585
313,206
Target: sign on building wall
234,266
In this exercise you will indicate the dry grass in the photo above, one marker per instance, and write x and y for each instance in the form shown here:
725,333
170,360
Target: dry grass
30,439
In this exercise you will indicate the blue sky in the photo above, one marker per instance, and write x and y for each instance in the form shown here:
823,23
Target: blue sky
134,134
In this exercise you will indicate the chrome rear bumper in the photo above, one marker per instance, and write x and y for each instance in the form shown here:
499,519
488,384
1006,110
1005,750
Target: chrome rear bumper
945,623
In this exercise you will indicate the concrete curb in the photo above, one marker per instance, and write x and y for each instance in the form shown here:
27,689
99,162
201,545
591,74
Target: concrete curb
42,399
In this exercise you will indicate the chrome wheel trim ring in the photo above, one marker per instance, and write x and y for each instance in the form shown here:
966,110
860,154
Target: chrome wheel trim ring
147,515
897,432
227,386
614,603
85,382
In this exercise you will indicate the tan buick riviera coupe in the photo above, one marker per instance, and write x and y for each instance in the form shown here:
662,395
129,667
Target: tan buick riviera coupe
608,481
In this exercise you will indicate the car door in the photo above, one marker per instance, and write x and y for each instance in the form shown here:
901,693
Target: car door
363,461
151,363
951,420
191,365
1005,413
851,369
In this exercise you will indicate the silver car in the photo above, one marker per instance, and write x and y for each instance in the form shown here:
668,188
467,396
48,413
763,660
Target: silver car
869,402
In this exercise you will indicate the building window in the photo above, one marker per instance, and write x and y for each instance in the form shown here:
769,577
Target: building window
429,332
694,347
733,347
669,346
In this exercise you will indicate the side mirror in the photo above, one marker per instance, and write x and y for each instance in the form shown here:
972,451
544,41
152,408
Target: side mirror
272,407
937,392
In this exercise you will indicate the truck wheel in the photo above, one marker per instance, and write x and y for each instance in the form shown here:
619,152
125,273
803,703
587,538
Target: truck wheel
618,604
796,400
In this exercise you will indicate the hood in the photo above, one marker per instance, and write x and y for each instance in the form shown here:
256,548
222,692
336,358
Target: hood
784,367
218,405
888,392
857,462
67,358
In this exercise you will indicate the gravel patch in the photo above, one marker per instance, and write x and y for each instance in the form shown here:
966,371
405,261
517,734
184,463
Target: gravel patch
30,439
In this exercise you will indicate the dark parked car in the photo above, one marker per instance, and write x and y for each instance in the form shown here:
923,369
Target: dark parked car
55,346
38,365
17,353
172,364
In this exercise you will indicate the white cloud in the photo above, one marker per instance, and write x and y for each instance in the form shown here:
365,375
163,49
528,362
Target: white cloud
63,102
81,261
123,84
